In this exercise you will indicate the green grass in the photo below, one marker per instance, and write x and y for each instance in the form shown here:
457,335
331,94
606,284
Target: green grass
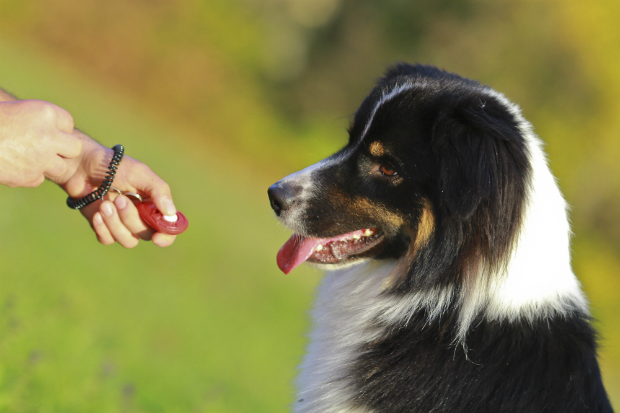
206,325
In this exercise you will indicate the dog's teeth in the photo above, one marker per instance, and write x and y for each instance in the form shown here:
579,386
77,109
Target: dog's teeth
336,252
368,232
356,237
319,247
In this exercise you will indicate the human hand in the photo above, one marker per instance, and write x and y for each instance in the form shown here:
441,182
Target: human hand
36,142
115,218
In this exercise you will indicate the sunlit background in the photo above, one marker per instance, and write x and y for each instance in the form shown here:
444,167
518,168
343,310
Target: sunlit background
222,98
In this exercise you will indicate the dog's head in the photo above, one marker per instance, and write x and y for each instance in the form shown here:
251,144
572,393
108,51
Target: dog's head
436,169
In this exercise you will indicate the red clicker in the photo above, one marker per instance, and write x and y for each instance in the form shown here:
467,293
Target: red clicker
168,224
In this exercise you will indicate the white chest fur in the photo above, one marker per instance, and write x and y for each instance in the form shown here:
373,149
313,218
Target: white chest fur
348,302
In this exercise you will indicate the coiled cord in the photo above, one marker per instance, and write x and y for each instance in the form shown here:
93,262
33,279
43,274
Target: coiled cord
119,150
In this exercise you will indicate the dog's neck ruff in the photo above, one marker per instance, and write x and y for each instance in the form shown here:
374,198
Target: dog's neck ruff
538,280
534,281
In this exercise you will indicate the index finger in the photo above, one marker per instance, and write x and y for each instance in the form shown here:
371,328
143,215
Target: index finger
68,145
64,120
146,181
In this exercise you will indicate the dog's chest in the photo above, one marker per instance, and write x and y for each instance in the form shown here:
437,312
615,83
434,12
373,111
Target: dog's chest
344,318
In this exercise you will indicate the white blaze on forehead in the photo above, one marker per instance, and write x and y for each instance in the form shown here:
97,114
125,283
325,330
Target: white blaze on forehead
305,177
386,96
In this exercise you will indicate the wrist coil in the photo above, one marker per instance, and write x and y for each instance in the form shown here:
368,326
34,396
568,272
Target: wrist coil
103,189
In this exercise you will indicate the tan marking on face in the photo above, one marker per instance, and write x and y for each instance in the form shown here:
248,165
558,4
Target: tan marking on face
366,207
377,149
426,227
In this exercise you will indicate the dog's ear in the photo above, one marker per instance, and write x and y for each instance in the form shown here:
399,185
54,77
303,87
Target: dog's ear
481,155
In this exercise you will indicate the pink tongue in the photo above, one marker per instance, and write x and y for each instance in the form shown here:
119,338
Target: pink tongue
295,251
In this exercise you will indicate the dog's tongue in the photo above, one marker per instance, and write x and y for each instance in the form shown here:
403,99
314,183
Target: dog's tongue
295,251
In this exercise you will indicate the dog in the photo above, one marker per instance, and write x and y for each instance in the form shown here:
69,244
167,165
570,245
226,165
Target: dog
450,286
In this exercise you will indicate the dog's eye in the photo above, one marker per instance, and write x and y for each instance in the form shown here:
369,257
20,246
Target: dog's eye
387,170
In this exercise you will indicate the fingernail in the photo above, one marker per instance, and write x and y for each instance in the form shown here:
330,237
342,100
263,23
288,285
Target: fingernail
169,208
97,219
121,202
106,209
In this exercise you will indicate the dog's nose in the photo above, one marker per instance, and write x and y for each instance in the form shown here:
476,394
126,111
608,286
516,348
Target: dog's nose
282,196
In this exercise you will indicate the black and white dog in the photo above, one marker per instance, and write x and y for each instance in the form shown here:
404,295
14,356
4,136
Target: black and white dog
451,288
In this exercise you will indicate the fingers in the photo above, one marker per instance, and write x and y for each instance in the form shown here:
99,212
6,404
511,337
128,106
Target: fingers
157,189
103,234
59,125
68,145
119,221
130,218
66,148
165,204
115,227
105,222
33,135
64,120
48,114
117,218
163,240
57,168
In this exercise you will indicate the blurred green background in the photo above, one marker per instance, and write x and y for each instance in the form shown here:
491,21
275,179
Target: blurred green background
222,98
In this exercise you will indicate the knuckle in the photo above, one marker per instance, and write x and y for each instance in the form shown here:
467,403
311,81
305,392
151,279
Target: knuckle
67,120
45,110
143,169
165,188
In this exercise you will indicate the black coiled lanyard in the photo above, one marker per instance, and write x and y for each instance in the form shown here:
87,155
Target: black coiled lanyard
119,150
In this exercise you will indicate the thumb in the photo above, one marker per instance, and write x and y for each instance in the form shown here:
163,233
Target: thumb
164,203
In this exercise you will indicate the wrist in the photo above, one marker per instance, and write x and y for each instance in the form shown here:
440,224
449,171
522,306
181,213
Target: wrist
89,167
94,156
105,185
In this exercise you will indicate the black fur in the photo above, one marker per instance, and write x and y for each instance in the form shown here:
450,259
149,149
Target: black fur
547,366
